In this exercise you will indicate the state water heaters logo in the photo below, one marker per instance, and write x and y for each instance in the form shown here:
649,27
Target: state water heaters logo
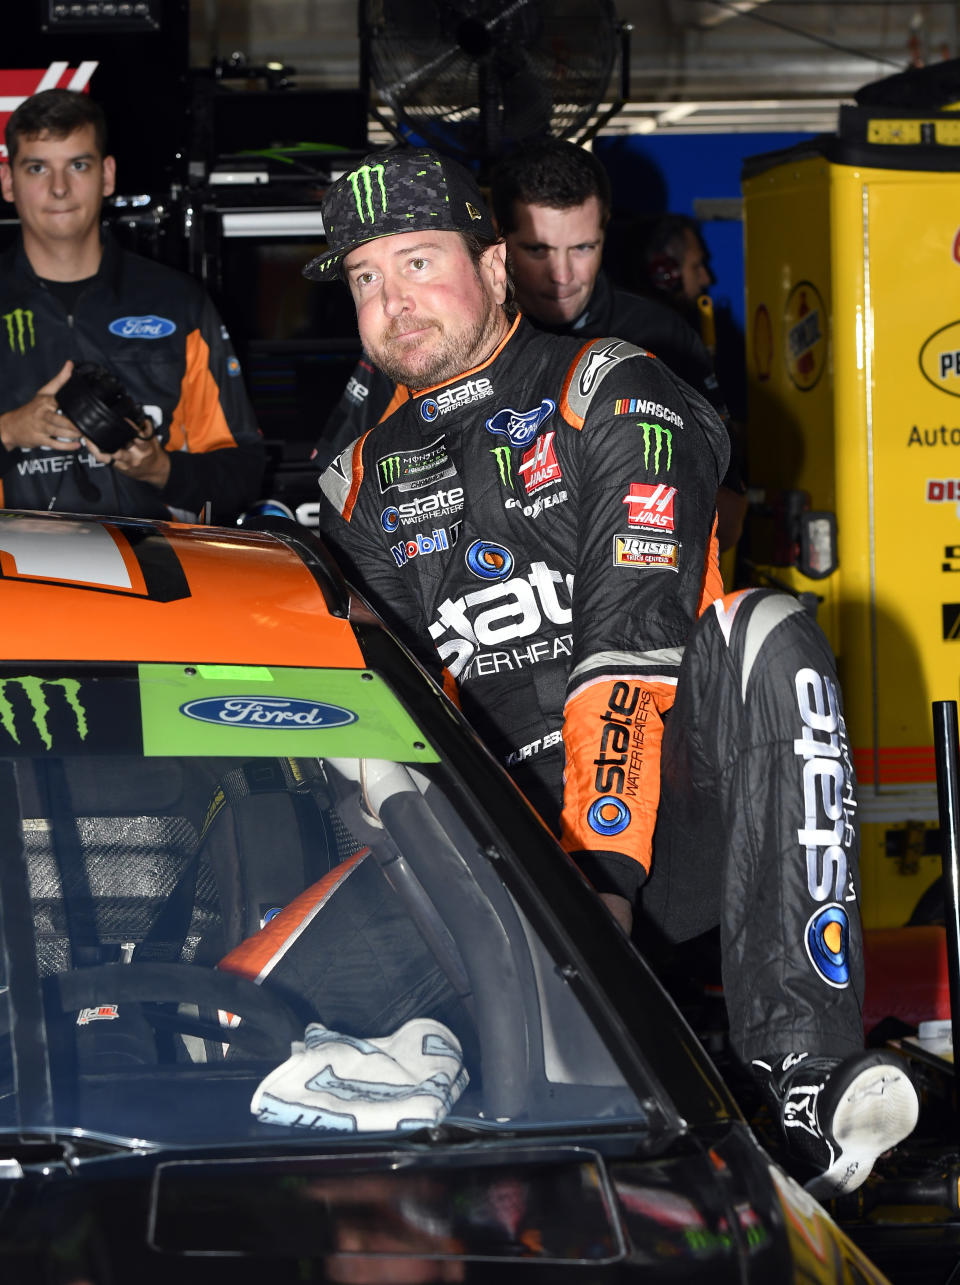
474,390
46,698
804,335
829,824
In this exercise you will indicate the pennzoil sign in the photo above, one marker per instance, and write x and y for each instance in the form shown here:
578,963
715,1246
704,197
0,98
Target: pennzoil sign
940,359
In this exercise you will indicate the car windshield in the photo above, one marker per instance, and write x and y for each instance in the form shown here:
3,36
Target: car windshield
244,904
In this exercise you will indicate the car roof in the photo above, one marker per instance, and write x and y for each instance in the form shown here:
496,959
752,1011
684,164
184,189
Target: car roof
86,588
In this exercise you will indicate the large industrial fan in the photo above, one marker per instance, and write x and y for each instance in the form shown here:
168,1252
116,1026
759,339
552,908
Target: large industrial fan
475,78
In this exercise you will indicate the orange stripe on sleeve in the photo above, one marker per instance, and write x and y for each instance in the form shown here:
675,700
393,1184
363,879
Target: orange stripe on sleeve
356,467
198,422
574,420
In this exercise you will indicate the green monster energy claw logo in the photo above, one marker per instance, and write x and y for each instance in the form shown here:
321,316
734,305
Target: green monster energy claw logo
504,458
20,332
389,468
361,181
658,437
33,689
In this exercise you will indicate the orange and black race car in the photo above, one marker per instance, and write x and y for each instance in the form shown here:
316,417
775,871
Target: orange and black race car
294,985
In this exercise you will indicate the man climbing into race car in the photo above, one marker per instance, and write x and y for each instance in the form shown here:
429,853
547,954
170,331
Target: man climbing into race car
537,524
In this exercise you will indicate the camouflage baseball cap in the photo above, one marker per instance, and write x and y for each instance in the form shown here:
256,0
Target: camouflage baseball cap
407,190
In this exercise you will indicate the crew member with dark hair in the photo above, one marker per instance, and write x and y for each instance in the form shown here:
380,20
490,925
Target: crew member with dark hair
70,295
535,521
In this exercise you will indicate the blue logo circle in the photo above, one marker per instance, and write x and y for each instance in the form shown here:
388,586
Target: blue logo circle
390,519
827,938
608,815
429,410
489,561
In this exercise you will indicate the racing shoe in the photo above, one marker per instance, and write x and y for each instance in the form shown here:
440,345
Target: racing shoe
839,1116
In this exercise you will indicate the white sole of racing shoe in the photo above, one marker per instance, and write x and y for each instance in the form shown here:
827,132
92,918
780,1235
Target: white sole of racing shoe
878,1109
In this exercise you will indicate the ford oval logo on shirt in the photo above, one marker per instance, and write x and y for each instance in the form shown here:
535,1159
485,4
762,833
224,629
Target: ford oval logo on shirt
267,711
142,327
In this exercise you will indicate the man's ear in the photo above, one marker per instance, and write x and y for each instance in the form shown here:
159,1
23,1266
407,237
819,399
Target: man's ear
6,181
493,263
109,175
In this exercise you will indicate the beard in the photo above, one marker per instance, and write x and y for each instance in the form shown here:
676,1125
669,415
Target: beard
429,362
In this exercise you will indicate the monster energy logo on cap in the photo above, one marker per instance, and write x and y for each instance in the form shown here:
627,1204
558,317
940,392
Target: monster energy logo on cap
504,458
659,438
409,189
361,182
36,691
20,332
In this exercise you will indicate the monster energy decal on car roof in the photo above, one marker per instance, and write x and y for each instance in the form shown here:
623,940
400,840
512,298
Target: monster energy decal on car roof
81,711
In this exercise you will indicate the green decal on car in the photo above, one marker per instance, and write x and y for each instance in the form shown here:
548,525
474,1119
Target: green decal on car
37,692
242,710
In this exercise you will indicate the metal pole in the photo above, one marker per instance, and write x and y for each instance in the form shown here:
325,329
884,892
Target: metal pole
947,756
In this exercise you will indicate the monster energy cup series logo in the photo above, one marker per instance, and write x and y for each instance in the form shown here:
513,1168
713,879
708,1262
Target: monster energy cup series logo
20,332
34,690
659,439
361,182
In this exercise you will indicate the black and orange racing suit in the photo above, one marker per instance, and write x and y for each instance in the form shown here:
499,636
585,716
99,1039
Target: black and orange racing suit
156,330
541,526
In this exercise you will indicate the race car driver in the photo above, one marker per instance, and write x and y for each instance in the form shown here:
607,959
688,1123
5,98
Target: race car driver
69,294
537,522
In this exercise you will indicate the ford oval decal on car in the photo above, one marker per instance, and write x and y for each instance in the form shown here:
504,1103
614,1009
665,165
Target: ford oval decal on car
267,711
142,327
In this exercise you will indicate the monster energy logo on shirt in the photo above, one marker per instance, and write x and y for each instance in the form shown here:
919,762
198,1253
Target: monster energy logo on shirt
659,438
20,332
504,458
34,690
361,181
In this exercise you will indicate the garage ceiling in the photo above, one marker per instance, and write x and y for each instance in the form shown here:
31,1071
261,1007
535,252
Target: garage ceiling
695,65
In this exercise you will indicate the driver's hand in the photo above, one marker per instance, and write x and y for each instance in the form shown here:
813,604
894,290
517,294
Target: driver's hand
39,423
144,459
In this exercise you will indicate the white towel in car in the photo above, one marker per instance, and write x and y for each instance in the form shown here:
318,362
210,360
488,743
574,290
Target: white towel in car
335,1082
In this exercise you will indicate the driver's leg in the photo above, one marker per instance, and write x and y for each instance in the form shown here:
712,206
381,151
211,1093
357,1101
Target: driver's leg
758,829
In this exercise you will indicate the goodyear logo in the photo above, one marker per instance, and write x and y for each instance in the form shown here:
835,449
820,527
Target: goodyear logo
20,332
657,445
36,690
362,183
